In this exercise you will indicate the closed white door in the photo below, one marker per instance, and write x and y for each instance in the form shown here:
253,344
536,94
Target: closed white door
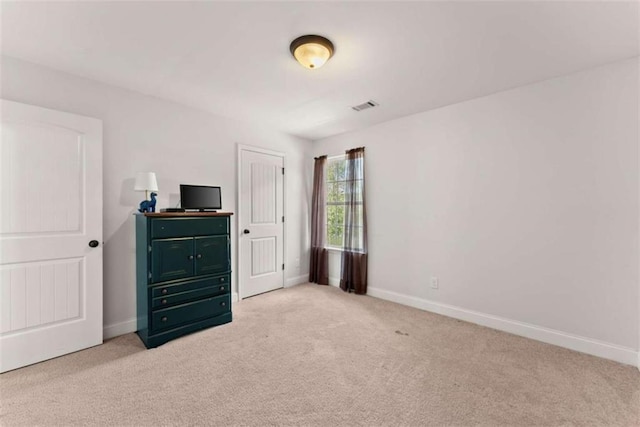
261,222
50,234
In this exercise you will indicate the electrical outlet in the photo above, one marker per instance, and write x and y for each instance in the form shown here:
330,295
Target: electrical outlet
434,282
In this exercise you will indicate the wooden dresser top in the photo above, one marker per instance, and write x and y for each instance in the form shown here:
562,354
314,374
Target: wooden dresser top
179,214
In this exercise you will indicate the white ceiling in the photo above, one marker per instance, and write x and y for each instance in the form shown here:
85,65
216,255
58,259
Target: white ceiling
232,58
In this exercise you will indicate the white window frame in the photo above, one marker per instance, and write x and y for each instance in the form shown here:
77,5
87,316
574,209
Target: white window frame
329,247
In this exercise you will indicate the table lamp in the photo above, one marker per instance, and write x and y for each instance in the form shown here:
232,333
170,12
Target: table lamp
146,181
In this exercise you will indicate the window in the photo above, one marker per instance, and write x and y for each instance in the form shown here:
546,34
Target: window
336,188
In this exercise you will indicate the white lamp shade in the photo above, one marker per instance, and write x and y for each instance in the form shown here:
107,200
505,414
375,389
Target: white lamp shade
146,181
312,55
312,51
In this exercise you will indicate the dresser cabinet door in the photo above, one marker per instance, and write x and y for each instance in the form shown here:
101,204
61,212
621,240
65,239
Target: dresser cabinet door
171,259
212,255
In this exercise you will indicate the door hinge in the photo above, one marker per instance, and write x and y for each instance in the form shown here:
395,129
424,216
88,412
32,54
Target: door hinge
149,248
149,275
282,171
283,218
283,266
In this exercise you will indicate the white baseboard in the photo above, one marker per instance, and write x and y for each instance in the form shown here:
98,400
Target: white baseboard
573,342
298,280
117,329
234,297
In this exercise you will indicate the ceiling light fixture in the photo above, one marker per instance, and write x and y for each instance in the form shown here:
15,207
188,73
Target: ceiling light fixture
311,51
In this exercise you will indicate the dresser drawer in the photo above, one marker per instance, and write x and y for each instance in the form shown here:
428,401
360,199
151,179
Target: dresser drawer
179,227
177,288
189,312
167,301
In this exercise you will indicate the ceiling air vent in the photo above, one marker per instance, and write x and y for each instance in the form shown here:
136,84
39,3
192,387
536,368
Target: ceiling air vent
368,104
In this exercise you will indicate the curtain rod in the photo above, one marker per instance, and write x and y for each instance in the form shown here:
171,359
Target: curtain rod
339,155
354,149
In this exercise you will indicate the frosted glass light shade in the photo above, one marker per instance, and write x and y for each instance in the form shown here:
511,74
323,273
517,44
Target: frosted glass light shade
146,181
311,51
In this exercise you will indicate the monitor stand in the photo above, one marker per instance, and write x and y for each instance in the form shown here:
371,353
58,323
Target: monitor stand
206,210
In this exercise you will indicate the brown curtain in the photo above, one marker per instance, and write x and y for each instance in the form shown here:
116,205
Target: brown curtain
319,263
353,275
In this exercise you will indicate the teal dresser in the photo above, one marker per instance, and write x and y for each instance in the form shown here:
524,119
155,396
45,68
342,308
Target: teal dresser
183,270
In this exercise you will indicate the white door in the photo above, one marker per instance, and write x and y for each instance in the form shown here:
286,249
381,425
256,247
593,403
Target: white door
50,210
261,228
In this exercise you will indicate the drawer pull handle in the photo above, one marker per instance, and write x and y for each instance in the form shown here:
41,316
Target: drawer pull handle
198,256
164,301
190,256
164,292
222,279
222,288
164,318
223,304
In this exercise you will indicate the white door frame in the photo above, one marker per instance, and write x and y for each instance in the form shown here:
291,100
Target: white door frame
240,149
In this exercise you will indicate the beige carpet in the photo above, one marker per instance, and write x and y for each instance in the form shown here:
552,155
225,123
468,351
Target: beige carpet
312,355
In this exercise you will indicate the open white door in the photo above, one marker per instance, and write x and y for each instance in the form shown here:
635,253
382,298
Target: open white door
50,234
261,228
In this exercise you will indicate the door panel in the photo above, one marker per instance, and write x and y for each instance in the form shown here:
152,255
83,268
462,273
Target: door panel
53,179
171,259
261,222
50,208
264,192
212,255
264,256
35,294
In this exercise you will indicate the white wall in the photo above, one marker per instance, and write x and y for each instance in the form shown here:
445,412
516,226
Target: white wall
179,144
523,203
